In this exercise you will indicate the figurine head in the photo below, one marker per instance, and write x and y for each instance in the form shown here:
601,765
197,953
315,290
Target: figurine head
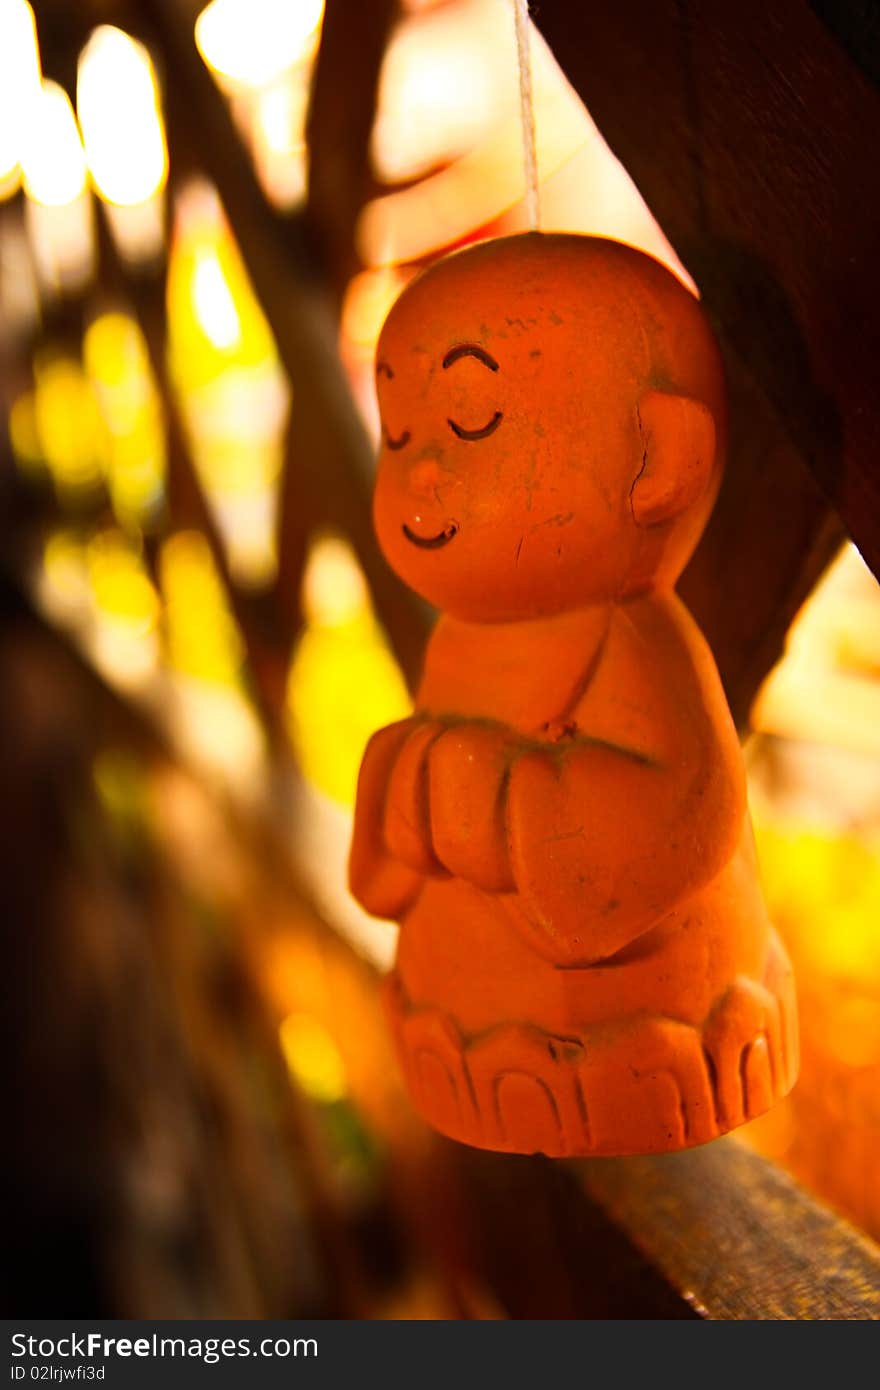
553,427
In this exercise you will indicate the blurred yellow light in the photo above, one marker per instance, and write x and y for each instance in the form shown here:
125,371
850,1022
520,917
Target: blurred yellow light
824,689
823,889
334,589
120,582
116,359
214,319
100,590
313,1058
251,42
68,425
52,159
117,100
19,84
213,302
24,436
234,393
208,713
342,649
118,366
201,634
62,582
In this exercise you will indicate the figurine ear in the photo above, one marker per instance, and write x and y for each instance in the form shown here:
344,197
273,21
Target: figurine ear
678,448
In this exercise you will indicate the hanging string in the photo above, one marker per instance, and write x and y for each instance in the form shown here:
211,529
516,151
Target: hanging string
527,111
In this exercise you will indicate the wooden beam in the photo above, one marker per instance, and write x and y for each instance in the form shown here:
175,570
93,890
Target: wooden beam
736,1237
343,102
747,130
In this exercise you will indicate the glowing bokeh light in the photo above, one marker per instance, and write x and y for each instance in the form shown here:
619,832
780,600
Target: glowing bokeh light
62,588
234,393
24,435
214,319
118,367
824,688
313,1058
208,713
117,102
201,635
69,426
58,215
213,303
446,77
275,125
122,588
342,649
52,159
251,42
19,85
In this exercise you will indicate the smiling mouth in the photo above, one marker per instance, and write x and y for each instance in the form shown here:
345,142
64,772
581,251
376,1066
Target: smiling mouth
432,542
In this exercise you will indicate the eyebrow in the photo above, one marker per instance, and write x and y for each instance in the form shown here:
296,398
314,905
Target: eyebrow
470,350
384,367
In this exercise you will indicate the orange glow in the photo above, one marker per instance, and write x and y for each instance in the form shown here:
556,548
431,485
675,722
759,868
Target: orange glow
368,300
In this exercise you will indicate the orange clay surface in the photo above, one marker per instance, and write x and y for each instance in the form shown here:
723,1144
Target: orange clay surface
585,964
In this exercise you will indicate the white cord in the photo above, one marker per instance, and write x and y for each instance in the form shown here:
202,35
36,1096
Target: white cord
527,111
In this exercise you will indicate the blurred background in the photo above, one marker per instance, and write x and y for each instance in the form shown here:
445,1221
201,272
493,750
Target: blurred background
205,214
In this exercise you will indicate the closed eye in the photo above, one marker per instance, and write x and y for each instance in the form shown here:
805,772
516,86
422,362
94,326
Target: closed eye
477,434
399,442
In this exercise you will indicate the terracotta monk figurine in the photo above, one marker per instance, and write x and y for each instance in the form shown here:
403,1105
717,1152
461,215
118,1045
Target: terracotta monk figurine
585,965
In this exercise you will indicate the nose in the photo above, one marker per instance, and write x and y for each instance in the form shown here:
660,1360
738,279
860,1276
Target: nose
426,477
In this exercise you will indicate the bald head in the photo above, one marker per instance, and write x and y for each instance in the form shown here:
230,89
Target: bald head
529,388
